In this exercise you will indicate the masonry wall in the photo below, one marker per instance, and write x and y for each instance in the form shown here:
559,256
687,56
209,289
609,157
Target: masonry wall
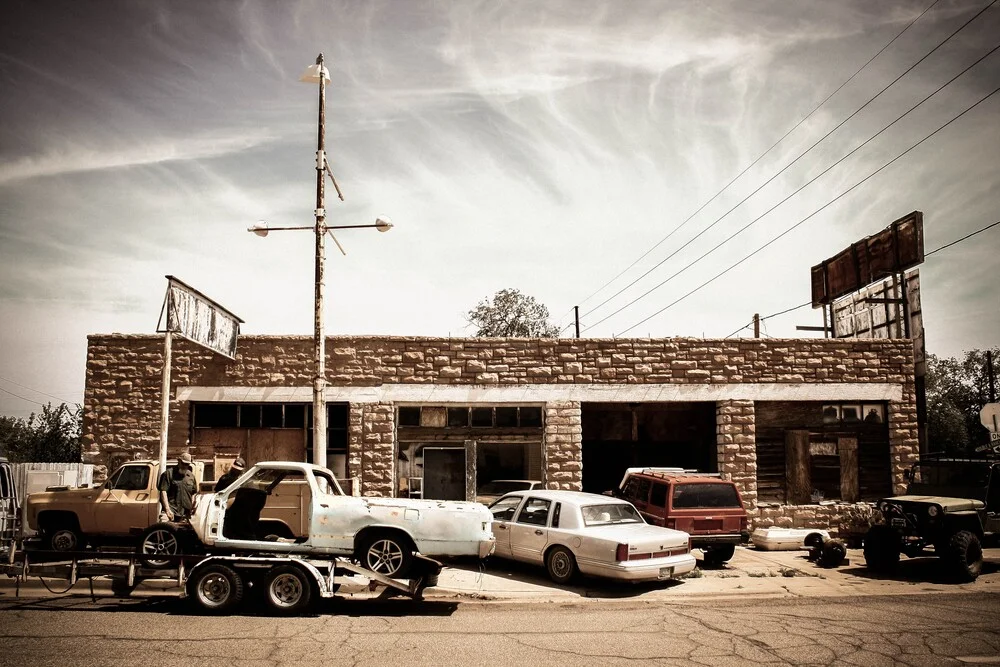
122,396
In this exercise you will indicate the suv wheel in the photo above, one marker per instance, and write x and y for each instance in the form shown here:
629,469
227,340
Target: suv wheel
965,553
881,549
716,556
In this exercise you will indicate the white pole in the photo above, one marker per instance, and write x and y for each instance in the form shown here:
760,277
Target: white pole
319,383
165,400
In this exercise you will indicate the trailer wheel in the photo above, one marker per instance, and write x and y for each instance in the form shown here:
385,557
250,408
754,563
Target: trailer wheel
288,589
216,588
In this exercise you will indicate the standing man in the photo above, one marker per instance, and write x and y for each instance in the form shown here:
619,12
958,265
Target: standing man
230,475
178,488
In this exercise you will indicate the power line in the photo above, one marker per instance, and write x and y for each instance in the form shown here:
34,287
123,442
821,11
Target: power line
23,398
61,400
758,159
790,164
808,217
796,191
978,231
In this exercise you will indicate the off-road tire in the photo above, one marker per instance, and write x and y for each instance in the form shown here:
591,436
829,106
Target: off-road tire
215,588
387,553
832,553
561,565
287,590
965,555
882,549
717,556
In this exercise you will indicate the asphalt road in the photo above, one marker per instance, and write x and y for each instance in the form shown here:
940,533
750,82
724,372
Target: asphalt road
929,629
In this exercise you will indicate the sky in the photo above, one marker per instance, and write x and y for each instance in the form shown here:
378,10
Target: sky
542,146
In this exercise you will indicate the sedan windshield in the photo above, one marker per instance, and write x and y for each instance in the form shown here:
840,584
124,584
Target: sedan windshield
600,515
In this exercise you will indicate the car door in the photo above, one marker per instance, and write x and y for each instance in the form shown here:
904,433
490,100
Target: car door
504,511
122,506
529,533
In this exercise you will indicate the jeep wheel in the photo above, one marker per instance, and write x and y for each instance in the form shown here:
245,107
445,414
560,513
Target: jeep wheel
63,538
965,555
881,549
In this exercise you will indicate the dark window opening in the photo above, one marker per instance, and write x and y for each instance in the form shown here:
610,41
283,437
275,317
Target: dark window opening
531,416
458,417
506,417
336,415
295,416
409,416
482,417
249,416
215,415
271,416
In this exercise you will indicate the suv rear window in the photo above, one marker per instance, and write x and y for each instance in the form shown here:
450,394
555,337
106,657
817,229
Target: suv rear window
637,489
688,496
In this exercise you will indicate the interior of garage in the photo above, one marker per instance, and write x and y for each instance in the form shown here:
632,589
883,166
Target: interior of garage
617,436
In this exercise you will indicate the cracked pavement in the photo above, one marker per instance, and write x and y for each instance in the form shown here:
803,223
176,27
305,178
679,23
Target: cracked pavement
931,629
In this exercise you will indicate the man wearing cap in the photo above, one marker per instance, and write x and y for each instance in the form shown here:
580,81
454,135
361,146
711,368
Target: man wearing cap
230,475
177,487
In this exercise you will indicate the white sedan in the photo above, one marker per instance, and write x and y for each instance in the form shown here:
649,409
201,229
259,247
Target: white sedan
570,532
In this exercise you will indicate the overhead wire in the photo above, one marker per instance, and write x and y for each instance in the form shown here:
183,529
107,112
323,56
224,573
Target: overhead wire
811,215
793,162
794,192
23,398
37,391
758,159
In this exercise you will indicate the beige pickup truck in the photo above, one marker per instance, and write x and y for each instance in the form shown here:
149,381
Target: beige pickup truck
127,503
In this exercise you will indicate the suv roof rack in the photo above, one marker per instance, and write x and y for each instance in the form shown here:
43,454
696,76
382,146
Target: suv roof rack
673,471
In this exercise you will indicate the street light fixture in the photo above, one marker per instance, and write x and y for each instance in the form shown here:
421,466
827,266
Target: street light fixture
318,73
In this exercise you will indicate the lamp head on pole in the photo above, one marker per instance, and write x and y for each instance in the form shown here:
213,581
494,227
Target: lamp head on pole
260,229
314,72
383,224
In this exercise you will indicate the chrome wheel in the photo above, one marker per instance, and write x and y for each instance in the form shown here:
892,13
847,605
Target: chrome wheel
384,556
286,590
214,590
562,565
159,542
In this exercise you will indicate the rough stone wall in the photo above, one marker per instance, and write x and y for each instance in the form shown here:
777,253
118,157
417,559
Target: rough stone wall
122,395
827,515
372,447
563,446
737,445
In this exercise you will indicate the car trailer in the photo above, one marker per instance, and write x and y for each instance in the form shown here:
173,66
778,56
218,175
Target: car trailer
218,583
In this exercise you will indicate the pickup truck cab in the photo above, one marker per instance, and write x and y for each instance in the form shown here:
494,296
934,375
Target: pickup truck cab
125,505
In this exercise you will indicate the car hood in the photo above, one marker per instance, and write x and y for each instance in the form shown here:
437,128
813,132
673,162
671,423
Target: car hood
640,535
950,504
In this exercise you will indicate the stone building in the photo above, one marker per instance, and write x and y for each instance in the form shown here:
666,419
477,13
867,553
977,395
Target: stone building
803,426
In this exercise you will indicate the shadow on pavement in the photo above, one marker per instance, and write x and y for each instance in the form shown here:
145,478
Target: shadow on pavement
923,569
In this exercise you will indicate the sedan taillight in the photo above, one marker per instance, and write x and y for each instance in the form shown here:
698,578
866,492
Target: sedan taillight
621,553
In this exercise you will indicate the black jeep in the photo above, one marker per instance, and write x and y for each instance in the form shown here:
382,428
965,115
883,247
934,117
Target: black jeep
952,505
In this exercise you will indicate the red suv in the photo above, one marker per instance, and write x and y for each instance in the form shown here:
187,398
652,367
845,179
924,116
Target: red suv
709,509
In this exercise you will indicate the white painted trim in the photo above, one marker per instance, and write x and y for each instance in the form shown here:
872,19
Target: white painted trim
536,394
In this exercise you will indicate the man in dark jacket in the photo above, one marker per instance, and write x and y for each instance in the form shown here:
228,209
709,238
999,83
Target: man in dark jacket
230,475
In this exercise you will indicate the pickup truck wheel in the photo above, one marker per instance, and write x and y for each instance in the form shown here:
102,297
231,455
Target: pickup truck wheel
965,554
716,556
288,590
63,538
387,554
216,588
561,565
160,539
882,549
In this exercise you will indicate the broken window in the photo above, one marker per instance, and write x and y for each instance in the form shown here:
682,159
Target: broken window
408,416
458,417
506,417
482,417
215,415
530,416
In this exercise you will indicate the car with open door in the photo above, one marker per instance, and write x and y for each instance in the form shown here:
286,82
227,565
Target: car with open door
570,533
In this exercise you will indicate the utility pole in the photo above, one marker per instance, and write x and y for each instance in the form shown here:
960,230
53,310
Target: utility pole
576,319
756,325
991,376
319,344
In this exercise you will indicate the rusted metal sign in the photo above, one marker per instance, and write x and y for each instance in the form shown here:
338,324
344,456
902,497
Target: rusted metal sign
898,247
198,318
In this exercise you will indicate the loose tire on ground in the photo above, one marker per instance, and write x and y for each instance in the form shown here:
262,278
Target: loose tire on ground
561,565
215,588
387,553
288,589
716,556
160,539
965,555
832,553
882,549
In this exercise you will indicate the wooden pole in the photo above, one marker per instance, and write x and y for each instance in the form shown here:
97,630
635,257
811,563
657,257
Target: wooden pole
576,319
165,395
319,342
756,325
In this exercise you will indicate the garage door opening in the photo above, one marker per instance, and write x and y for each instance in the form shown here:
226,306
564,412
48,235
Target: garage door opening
617,436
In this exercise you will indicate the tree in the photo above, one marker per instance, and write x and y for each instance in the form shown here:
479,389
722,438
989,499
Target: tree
957,389
50,437
512,314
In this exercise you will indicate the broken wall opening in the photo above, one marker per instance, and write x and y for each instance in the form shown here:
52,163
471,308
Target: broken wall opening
617,436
